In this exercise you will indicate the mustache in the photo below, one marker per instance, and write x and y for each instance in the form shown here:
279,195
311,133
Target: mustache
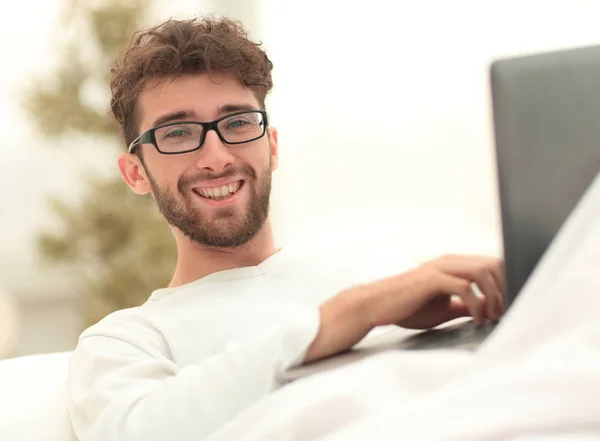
186,182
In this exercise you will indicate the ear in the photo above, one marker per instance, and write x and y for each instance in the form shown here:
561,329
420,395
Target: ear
133,173
273,139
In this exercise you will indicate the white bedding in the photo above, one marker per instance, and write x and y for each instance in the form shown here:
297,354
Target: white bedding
537,378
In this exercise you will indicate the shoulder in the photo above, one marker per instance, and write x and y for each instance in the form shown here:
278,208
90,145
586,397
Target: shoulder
133,327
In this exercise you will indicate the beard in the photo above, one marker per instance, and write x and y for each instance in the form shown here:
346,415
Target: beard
229,227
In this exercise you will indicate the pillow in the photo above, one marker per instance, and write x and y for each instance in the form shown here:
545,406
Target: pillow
33,398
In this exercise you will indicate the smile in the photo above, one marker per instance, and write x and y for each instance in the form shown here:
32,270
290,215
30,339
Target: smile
220,192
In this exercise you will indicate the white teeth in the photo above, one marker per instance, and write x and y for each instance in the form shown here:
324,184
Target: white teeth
220,192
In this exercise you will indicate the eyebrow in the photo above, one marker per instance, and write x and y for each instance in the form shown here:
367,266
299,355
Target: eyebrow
179,115
230,108
187,114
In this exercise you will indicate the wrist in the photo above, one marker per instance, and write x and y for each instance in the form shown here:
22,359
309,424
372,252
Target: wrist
343,324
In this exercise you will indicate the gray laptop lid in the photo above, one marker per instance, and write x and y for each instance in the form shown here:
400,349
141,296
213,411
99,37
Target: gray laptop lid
547,128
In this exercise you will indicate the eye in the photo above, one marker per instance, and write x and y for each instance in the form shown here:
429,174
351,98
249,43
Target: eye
176,132
237,123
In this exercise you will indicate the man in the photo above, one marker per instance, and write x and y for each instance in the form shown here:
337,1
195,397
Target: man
190,98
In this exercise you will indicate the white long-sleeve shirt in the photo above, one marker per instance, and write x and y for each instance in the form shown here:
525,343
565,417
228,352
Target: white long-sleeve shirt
193,357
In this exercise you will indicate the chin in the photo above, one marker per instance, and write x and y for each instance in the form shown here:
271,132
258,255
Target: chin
223,233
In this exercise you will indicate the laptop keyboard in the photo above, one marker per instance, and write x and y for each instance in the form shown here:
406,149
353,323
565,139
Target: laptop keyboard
466,335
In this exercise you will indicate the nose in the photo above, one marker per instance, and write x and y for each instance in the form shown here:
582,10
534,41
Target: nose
214,155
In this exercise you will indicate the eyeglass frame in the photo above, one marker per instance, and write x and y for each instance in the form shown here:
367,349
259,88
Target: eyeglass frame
149,137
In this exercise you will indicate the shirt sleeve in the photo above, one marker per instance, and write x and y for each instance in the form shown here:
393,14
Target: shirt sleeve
123,388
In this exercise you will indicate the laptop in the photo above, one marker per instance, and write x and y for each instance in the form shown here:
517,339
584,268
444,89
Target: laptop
546,110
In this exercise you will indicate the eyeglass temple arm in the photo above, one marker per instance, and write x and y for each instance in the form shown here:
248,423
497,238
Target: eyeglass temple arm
136,141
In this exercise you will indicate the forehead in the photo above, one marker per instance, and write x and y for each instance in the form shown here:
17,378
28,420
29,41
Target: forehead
203,94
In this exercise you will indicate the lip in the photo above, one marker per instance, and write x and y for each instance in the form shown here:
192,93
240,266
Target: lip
218,183
222,203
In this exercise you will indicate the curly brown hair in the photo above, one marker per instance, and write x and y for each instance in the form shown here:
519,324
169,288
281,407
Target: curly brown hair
183,47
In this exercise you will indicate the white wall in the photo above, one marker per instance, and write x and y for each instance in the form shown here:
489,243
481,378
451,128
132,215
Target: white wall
382,108
383,111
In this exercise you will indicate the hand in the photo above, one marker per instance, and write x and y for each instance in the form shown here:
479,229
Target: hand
438,291
425,297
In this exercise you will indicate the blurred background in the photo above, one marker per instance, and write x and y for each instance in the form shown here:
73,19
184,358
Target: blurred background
385,141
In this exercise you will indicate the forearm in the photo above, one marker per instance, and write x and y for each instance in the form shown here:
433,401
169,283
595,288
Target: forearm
344,322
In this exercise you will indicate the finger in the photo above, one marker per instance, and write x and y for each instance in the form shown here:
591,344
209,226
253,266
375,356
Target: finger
499,273
486,283
496,269
462,288
485,272
457,309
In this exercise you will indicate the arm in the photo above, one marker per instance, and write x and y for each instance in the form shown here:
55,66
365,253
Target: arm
129,390
425,297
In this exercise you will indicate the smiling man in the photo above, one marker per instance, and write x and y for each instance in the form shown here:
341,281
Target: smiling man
190,98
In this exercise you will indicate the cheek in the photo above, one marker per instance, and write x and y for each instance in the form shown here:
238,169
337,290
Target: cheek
164,171
256,161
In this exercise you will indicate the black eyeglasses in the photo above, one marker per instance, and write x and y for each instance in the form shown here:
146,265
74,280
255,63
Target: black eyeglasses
187,136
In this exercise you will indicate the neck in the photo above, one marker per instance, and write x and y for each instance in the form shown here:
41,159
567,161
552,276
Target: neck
195,261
